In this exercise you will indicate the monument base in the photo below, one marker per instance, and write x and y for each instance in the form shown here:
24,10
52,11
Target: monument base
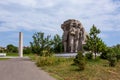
72,54
66,55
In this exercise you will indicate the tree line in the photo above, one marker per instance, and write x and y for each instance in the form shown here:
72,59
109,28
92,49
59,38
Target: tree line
41,45
45,45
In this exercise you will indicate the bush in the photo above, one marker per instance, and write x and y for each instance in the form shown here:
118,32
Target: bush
48,61
112,59
46,53
118,57
42,61
116,50
27,50
80,61
103,55
89,55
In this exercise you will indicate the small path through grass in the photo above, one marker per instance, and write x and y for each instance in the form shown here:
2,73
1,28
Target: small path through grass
21,69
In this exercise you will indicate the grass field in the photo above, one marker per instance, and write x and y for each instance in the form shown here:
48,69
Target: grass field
16,54
4,59
95,70
12,54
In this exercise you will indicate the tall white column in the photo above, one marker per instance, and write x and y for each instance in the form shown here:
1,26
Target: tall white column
20,44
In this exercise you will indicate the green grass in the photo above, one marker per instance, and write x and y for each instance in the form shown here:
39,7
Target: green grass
12,54
94,70
4,59
29,55
16,54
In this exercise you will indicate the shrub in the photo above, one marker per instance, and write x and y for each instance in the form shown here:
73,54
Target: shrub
48,61
27,50
112,59
118,57
103,55
46,53
116,50
106,53
89,55
45,61
80,61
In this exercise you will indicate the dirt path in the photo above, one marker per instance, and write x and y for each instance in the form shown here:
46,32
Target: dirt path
21,69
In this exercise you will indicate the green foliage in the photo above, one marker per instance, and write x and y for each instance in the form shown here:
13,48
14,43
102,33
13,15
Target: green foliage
104,53
46,53
12,54
116,50
49,61
44,46
112,61
2,50
111,58
93,42
118,57
57,44
12,49
89,55
80,61
27,50
41,43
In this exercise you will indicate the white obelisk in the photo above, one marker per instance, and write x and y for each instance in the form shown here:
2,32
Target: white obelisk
20,44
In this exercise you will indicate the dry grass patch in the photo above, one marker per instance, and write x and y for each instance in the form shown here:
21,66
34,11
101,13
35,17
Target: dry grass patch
94,70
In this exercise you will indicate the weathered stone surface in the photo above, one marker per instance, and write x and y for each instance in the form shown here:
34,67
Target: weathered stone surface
74,35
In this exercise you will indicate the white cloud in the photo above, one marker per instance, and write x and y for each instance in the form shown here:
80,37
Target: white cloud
48,15
29,3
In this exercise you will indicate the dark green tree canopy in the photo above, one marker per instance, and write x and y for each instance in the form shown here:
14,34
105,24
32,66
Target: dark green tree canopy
12,49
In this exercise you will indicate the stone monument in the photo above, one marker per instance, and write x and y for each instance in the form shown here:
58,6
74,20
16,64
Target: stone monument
20,44
74,35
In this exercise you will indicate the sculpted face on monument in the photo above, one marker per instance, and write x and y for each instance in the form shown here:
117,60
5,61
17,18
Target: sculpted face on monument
73,35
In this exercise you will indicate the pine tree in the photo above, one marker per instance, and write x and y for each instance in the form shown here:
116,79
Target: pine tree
93,42
80,61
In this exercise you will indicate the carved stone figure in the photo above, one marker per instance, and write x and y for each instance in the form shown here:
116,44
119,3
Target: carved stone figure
73,35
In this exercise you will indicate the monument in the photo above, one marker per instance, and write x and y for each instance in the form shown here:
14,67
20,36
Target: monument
74,36
20,44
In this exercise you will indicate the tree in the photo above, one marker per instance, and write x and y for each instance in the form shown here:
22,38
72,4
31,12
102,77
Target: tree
93,42
116,50
80,61
12,49
27,50
111,57
41,44
2,50
57,44
105,52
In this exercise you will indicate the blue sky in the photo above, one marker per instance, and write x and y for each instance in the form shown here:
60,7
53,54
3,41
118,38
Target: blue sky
30,16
